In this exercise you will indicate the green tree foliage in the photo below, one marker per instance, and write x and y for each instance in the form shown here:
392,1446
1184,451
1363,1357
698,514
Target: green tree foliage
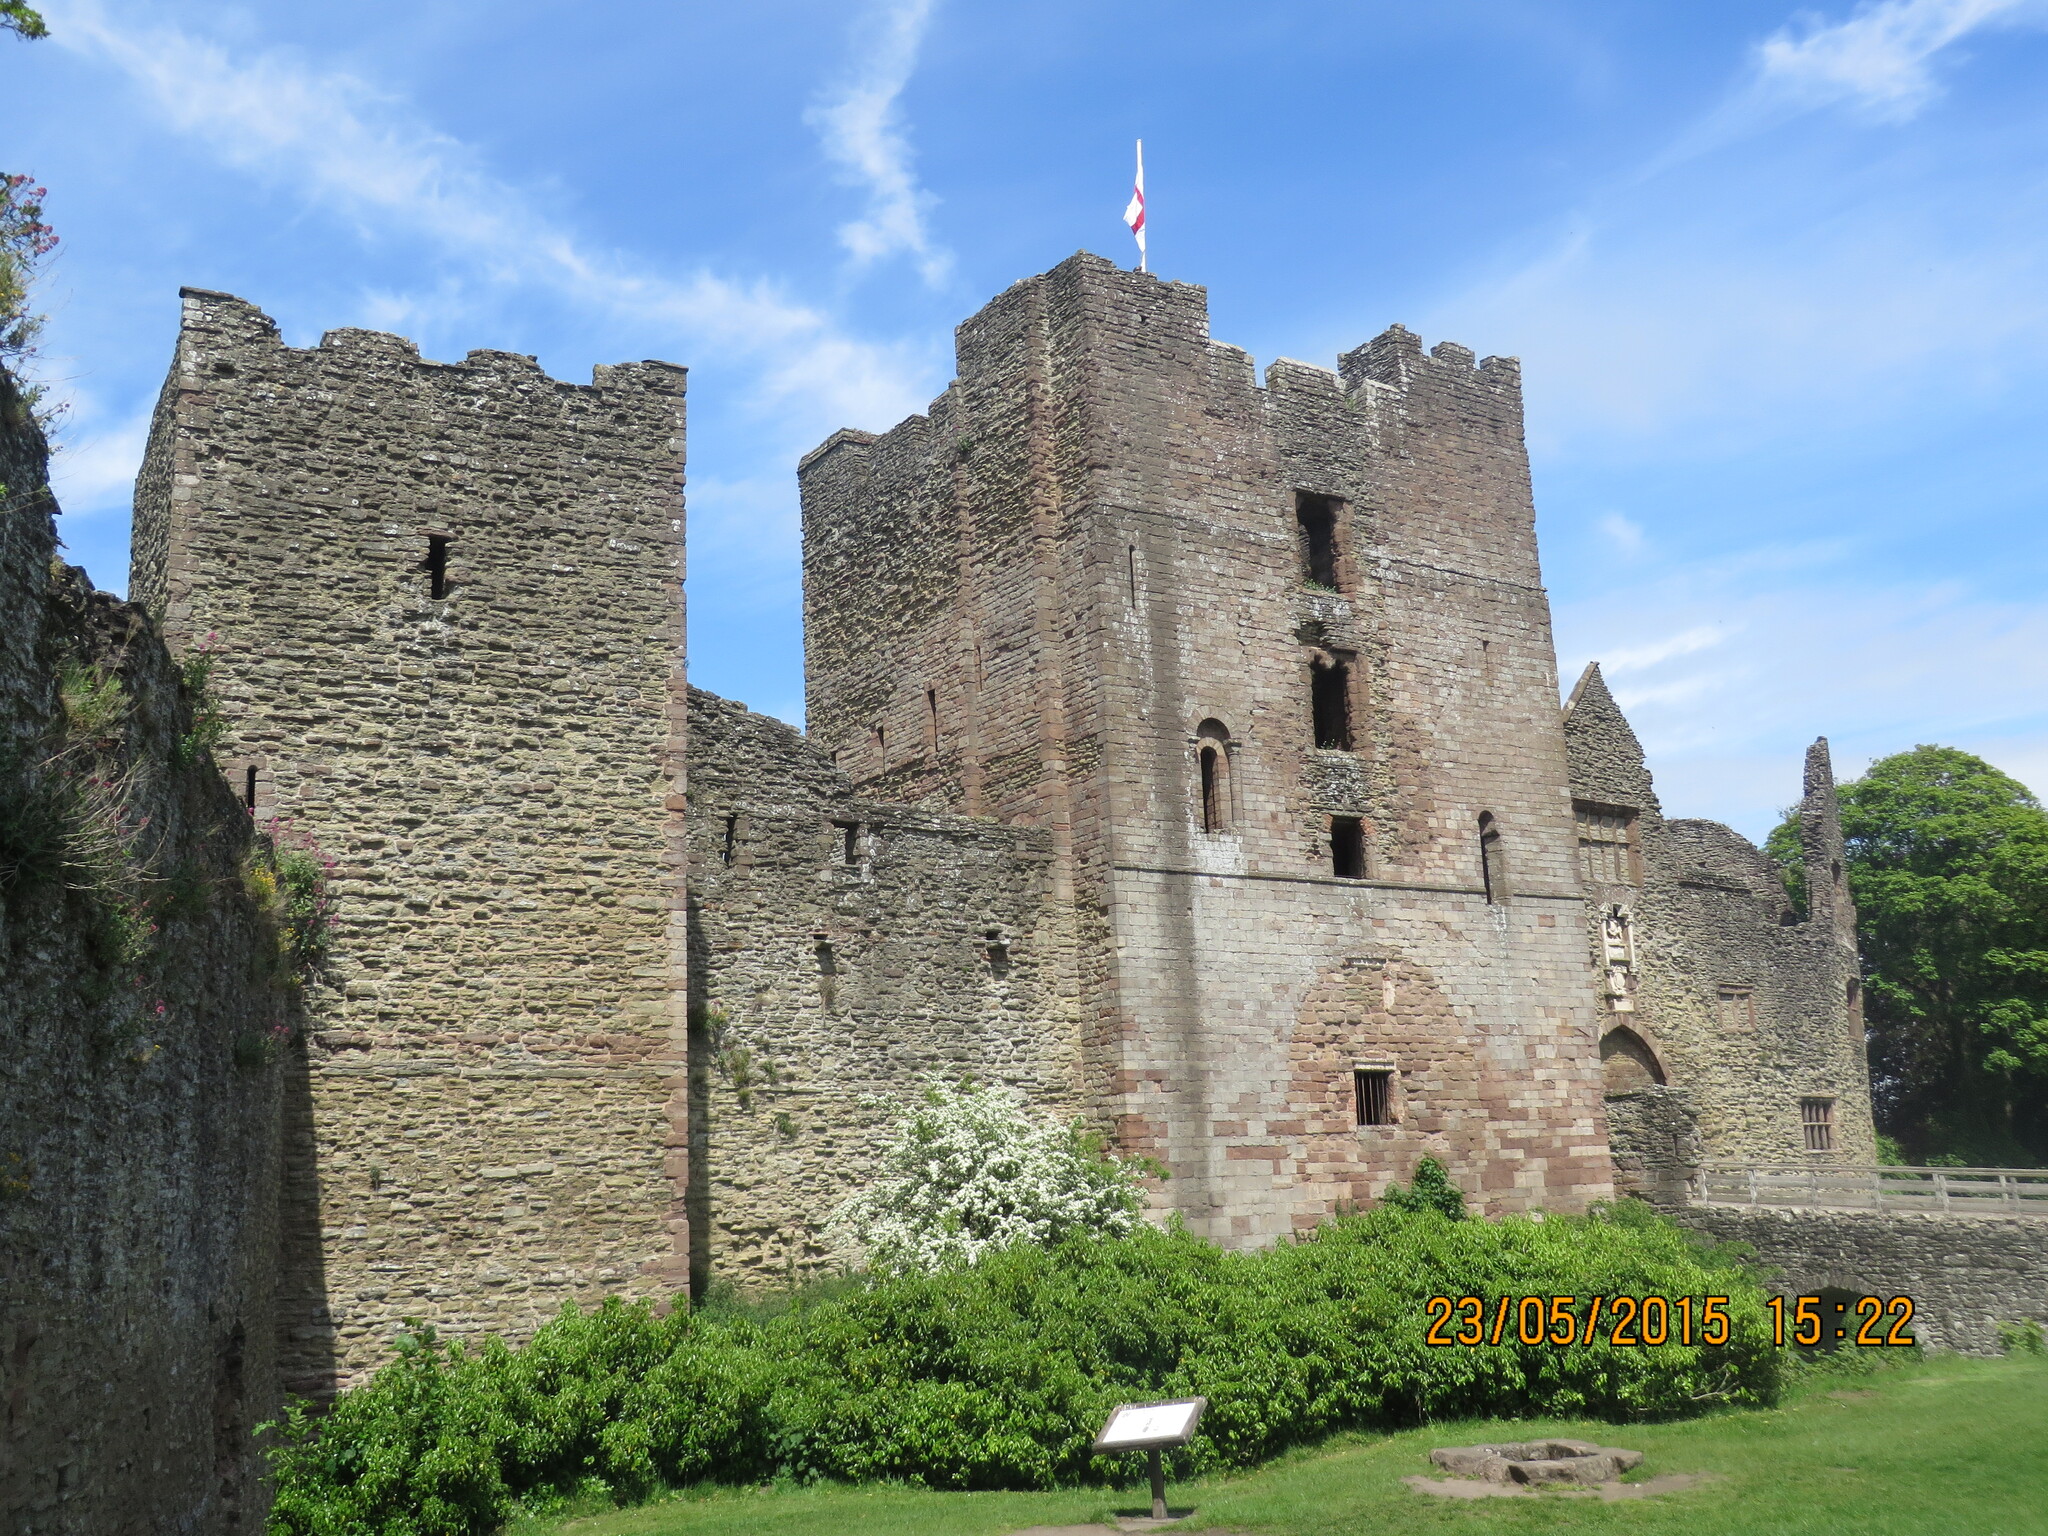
998,1374
24,240
18,18
1948,865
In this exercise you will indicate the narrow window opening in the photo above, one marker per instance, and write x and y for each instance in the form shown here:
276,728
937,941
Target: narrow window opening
1856,1007
1212,791
1817,1120
931,705
1133,563
828,971
1372,1094
1330,701
1316,519
849,841
1486,661
998,953
249,788
732,837
882,742
1493,871
1347,847
436,564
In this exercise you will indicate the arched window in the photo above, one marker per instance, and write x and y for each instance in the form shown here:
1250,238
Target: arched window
1212,757
1493,864
1627,1063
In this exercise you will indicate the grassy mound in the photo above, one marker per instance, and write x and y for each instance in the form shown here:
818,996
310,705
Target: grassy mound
999,1375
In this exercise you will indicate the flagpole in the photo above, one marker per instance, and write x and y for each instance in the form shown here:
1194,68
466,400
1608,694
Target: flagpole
1134,215
1142,222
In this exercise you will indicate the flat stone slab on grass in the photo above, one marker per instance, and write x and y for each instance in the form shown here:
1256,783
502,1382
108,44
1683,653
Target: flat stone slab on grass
1538,1462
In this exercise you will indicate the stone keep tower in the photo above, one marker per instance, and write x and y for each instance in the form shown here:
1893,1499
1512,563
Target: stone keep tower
1273,668
449,613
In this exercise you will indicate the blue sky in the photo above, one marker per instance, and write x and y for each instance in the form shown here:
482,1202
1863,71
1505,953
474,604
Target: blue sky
1776,275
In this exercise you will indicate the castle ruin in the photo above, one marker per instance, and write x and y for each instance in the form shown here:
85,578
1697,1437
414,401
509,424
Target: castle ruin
1184,749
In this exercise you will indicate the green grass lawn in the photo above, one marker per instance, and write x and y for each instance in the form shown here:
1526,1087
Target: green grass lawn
1941,1447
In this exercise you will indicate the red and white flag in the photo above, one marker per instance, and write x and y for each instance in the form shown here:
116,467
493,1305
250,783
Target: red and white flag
1135,214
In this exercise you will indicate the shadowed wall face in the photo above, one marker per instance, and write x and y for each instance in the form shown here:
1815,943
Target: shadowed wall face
447,601
143,1002
1108,550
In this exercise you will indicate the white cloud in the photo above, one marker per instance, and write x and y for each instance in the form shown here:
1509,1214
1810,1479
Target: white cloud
1636,658
861,129
1878,58
1625,535
356,152
1755,675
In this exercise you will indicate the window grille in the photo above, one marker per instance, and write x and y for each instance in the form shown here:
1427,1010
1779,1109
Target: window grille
1372,1090
1817,1120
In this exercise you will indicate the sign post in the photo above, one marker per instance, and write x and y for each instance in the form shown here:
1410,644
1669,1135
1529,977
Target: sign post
1151,1428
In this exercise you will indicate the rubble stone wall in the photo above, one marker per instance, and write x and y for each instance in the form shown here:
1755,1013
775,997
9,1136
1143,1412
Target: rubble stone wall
845,951
447,600
1744,1004
1965,1274
143,1069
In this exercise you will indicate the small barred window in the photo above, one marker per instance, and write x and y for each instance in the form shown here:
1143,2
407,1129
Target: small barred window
1817,1120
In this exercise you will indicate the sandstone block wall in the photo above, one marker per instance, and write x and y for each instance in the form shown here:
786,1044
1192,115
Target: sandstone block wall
1743,1004
1966,1274
142,1080
843,951
448,603
1046,598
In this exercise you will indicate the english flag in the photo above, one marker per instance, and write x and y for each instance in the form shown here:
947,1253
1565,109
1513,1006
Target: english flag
1135,214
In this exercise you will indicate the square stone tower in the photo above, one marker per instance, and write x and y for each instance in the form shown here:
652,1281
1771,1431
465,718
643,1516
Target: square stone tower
447,606
1272,666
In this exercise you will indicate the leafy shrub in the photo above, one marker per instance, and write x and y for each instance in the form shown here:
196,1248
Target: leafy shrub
972,1170
1431,1191
997,1375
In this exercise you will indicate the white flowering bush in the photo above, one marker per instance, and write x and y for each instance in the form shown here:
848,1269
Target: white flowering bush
971,1170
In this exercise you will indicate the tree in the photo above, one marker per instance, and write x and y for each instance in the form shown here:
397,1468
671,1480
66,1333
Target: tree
972,1169
24,240
1948,866
17,18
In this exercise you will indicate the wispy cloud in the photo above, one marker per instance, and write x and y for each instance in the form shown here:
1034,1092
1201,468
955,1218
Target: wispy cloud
860,125
359,153
1879,58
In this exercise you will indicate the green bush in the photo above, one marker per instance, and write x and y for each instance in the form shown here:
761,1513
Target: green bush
997,1376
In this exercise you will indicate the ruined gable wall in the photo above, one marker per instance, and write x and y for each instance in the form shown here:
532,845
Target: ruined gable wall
1746,1007
1164,589
496,1093
141,1088
826,989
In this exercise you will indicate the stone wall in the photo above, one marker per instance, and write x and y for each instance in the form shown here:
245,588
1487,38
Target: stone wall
843,951
1716,986
1966,1274
447,600
144,1064
1082,570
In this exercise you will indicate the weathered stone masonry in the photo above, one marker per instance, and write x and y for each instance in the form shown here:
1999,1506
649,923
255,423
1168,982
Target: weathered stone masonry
448,603
1046,598
141,1092
1723,1004
844,951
